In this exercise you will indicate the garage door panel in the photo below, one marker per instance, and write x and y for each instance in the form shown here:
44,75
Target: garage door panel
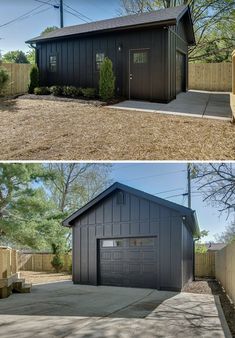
134,263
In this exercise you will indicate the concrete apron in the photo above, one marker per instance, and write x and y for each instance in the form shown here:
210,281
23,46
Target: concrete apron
66,310
211,105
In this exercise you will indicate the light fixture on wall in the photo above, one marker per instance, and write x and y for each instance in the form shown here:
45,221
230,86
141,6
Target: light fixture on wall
120,47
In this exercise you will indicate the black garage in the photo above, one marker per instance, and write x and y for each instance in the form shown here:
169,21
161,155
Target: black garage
126,237
146,50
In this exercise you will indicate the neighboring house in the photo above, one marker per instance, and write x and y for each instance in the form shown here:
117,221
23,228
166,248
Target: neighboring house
213,246
126,237
149,53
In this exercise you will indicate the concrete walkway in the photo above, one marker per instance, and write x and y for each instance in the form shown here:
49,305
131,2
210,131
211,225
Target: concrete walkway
66,310
214,105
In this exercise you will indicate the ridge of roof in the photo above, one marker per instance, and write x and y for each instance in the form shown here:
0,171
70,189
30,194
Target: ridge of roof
158,16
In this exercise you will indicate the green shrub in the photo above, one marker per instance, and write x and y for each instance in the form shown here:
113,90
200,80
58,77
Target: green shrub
42,91
107,80
89,93
56,90
4,78
34,79
57,262
70,91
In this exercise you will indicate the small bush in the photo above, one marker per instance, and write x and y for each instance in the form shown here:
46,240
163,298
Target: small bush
89,93
42,91
4,78
57,263
70,91
34,79
107,80
56,90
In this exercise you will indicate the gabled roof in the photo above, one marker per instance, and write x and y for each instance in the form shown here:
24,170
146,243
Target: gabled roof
190,214
167,16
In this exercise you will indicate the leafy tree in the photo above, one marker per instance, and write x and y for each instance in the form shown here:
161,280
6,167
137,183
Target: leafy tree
35,198
200,248
31,56
107,80
17,56
49,29
34,79
213,24
73,185
23,206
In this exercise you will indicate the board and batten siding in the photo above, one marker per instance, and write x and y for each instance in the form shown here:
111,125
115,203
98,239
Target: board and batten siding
76,59
137,217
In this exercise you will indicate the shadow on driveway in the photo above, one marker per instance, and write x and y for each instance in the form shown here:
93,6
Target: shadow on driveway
66,310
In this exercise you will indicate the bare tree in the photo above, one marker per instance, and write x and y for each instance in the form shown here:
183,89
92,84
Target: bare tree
228,235
217,183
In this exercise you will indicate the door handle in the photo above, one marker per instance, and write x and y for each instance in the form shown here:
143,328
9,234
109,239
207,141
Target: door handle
131,76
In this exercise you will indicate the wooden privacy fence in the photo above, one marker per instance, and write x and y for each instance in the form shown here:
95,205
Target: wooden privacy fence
41,262
205,264
19,78
225,269
232,95
8,262
210,76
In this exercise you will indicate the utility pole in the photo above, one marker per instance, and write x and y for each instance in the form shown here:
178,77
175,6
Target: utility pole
189,184
61,14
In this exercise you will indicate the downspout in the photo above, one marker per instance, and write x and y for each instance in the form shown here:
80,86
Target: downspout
35,48
194,240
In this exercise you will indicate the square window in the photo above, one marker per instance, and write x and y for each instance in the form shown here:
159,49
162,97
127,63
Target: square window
99,58
53,63
140,57
111,243
141,242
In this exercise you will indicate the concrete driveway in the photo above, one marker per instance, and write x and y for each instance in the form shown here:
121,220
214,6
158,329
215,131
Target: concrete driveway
203,104
65,310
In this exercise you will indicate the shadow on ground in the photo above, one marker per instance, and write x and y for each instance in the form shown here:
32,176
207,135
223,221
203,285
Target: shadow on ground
66,310
210,285
8,104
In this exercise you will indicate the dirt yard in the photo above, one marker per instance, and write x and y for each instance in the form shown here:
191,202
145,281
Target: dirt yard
43,277
47,130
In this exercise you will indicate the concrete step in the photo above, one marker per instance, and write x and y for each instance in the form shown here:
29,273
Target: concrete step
26,288
21,287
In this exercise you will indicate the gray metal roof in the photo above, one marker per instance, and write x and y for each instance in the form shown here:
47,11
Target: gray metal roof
190,214
168,16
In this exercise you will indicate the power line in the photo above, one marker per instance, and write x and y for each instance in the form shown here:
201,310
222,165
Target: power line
157,175
26,15
163,192
67,11
73,9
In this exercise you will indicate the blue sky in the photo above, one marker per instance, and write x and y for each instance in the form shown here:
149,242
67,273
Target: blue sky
15,34
156,178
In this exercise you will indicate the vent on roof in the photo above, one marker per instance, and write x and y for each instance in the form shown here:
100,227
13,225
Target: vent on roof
120,197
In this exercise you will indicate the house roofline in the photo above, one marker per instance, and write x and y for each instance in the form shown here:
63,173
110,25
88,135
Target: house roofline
159,24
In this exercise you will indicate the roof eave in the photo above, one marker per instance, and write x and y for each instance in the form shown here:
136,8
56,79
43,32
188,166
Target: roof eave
145,25
69,221
187,10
